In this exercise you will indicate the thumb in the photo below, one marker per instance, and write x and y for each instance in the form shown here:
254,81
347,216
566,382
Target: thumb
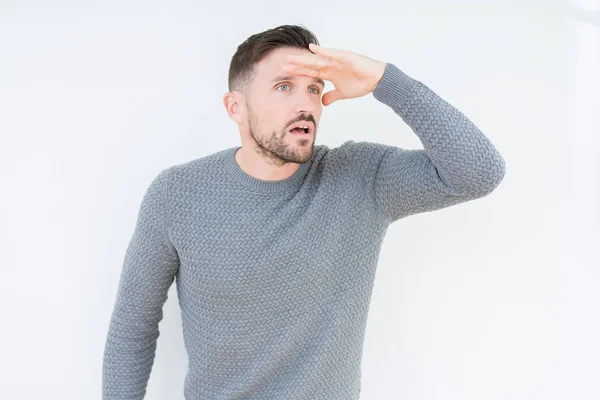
331,96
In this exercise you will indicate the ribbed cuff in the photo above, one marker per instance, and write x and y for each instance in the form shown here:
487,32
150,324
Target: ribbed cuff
394,88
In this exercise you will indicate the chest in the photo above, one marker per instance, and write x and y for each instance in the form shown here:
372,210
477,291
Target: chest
247,254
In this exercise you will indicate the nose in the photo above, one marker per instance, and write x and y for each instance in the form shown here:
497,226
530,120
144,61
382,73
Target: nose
305,102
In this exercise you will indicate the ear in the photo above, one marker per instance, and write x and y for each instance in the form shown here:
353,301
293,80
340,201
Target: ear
232,106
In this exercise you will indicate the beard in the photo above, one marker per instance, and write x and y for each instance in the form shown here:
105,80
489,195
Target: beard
277,148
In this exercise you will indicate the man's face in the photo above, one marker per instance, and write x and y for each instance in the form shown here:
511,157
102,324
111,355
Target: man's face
275,101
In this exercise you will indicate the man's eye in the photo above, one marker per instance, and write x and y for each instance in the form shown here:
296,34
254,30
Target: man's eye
317,90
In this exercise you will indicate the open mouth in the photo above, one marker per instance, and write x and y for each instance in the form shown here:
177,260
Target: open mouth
302,130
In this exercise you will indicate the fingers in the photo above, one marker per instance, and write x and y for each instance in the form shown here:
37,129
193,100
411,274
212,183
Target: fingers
314,61
327,52
302,70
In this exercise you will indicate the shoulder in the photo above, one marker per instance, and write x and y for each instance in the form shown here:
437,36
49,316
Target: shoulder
354,150
194,167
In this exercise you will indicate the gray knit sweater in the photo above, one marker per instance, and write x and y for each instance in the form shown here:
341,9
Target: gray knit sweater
274,278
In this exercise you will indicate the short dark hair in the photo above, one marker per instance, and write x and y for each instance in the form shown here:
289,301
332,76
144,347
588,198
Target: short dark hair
259,45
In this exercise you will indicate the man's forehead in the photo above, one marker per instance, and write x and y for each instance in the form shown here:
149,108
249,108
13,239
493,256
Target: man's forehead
271,67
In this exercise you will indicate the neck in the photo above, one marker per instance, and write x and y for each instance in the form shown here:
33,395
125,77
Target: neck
256,165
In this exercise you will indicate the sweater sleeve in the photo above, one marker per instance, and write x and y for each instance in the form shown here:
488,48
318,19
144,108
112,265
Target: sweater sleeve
458,162
149,268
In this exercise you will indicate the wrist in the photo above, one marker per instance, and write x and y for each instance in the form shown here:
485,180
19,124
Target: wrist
379,76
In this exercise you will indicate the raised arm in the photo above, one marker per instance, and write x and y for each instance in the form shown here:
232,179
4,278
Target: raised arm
458,162
149,268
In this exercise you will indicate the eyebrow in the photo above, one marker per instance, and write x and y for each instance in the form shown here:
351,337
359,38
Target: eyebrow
291,78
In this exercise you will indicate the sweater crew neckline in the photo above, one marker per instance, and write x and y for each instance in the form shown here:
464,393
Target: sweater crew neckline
261,185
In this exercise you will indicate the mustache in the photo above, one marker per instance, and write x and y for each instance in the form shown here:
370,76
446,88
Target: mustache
303,118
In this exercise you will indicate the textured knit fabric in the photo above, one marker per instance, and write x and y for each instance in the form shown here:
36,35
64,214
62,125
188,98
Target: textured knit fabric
274,278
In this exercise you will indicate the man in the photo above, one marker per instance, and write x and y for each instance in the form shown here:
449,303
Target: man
274,243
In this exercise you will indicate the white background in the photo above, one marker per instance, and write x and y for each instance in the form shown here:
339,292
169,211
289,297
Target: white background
492,299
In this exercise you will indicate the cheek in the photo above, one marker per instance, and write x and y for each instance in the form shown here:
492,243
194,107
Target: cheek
274,116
